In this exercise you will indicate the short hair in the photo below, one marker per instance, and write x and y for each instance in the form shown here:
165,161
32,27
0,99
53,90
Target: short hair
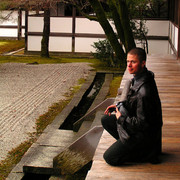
139,52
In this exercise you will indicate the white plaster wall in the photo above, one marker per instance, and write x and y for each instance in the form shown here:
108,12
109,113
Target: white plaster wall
23,18
8,32
60,44
12,20
23,23
34,43
60,25
34,12
63,44
56,44
84,25
23,32
85,44
158,46
173,35
176,38
35,24
157,28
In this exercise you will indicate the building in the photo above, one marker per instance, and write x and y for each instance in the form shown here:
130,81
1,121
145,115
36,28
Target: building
72,33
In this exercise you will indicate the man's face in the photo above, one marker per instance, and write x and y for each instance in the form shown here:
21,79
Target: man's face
134,66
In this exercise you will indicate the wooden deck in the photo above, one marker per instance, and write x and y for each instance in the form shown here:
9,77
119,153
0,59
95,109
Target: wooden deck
167,75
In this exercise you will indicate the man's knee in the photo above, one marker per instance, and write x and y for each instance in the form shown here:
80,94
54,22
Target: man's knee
113,161
104,120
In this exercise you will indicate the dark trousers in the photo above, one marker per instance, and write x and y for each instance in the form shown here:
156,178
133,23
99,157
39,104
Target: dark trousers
118,153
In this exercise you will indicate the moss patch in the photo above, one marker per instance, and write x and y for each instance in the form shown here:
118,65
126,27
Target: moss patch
14,156
115,84
69,161
3,43
8,46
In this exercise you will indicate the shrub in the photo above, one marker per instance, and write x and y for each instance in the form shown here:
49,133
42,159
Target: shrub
104,52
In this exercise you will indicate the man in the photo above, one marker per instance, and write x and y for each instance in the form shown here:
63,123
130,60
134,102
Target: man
137,122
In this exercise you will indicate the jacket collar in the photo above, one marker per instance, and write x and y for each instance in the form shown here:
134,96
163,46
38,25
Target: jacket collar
141,78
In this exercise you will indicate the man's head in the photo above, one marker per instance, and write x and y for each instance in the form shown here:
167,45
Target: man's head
136,61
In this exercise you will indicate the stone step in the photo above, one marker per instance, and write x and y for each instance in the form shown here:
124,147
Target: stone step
39,158
84,127
103,92
97,119
79,153
91,114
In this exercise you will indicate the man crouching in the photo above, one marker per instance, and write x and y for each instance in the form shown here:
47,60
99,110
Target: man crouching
137,121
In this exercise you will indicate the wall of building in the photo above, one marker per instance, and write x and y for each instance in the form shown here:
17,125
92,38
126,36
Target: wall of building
9,28
157,27
86,32
173,36
61,34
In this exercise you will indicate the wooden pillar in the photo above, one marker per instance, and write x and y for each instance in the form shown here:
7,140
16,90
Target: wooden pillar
19,24
73,28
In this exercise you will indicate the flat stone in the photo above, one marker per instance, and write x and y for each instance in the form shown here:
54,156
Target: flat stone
39,158
57,138
79,153
15,176
97,119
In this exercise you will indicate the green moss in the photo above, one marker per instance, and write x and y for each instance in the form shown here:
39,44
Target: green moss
14,156
69,161
3,43
10,45
115,84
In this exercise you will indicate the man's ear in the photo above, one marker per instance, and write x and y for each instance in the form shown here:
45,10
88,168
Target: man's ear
143,63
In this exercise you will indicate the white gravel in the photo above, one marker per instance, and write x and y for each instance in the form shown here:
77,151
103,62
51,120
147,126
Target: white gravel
26,92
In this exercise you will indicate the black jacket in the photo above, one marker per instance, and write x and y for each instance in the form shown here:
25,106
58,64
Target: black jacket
144,114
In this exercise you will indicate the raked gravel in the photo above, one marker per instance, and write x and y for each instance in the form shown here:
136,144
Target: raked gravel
26,92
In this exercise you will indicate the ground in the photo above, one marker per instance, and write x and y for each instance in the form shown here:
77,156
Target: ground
26,93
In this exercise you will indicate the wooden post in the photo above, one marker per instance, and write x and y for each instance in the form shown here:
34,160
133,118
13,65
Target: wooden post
26,30
73,28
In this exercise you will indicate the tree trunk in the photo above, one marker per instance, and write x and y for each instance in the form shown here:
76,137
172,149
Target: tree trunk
124,16
19,24
117,21
111,36
46,33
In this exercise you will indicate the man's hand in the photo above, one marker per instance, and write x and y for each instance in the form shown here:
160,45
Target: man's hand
110,109
118,113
